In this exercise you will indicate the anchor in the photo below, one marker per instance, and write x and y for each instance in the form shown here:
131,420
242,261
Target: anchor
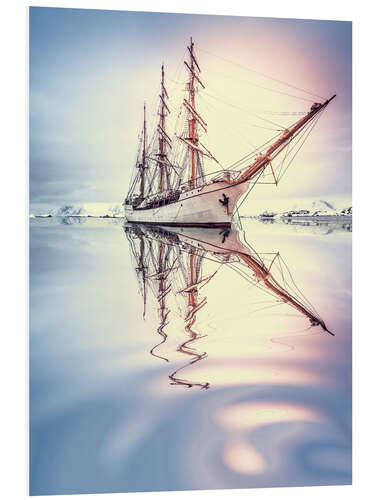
225,200
225,233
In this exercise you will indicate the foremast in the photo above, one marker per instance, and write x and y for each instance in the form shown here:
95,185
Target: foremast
193,279
195,123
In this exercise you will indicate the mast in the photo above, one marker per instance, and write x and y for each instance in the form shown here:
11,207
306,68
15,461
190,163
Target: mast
194,118
162,293
162,278
193,281
141,267
143,271
143,167
164,139
275,149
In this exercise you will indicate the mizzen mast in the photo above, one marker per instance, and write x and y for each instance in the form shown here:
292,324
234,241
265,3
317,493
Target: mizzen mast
143,165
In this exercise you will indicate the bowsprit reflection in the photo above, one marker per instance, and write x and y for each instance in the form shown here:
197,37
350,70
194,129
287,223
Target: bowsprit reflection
170,264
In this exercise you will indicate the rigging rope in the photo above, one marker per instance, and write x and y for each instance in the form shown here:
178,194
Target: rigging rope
248,192
306,133
241,108
304,136
247,157
262,74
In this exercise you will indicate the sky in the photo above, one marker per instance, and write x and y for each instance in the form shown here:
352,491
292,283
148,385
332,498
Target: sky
92,70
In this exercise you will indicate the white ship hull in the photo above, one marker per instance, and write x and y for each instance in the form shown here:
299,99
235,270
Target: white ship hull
198,207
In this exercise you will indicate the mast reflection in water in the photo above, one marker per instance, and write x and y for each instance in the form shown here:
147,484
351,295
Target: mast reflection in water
170,264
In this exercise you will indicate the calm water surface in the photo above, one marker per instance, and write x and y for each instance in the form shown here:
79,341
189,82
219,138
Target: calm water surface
167,360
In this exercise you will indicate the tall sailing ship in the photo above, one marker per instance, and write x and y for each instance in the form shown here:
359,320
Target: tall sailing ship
175,189
175,264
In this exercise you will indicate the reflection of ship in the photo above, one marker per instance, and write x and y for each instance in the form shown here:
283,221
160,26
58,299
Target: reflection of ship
162,267
171,184
169,263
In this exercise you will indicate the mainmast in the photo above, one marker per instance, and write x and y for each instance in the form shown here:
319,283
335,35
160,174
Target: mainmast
275,149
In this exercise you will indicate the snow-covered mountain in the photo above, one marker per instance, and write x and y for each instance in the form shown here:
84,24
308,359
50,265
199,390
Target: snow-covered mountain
318,208
80,210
